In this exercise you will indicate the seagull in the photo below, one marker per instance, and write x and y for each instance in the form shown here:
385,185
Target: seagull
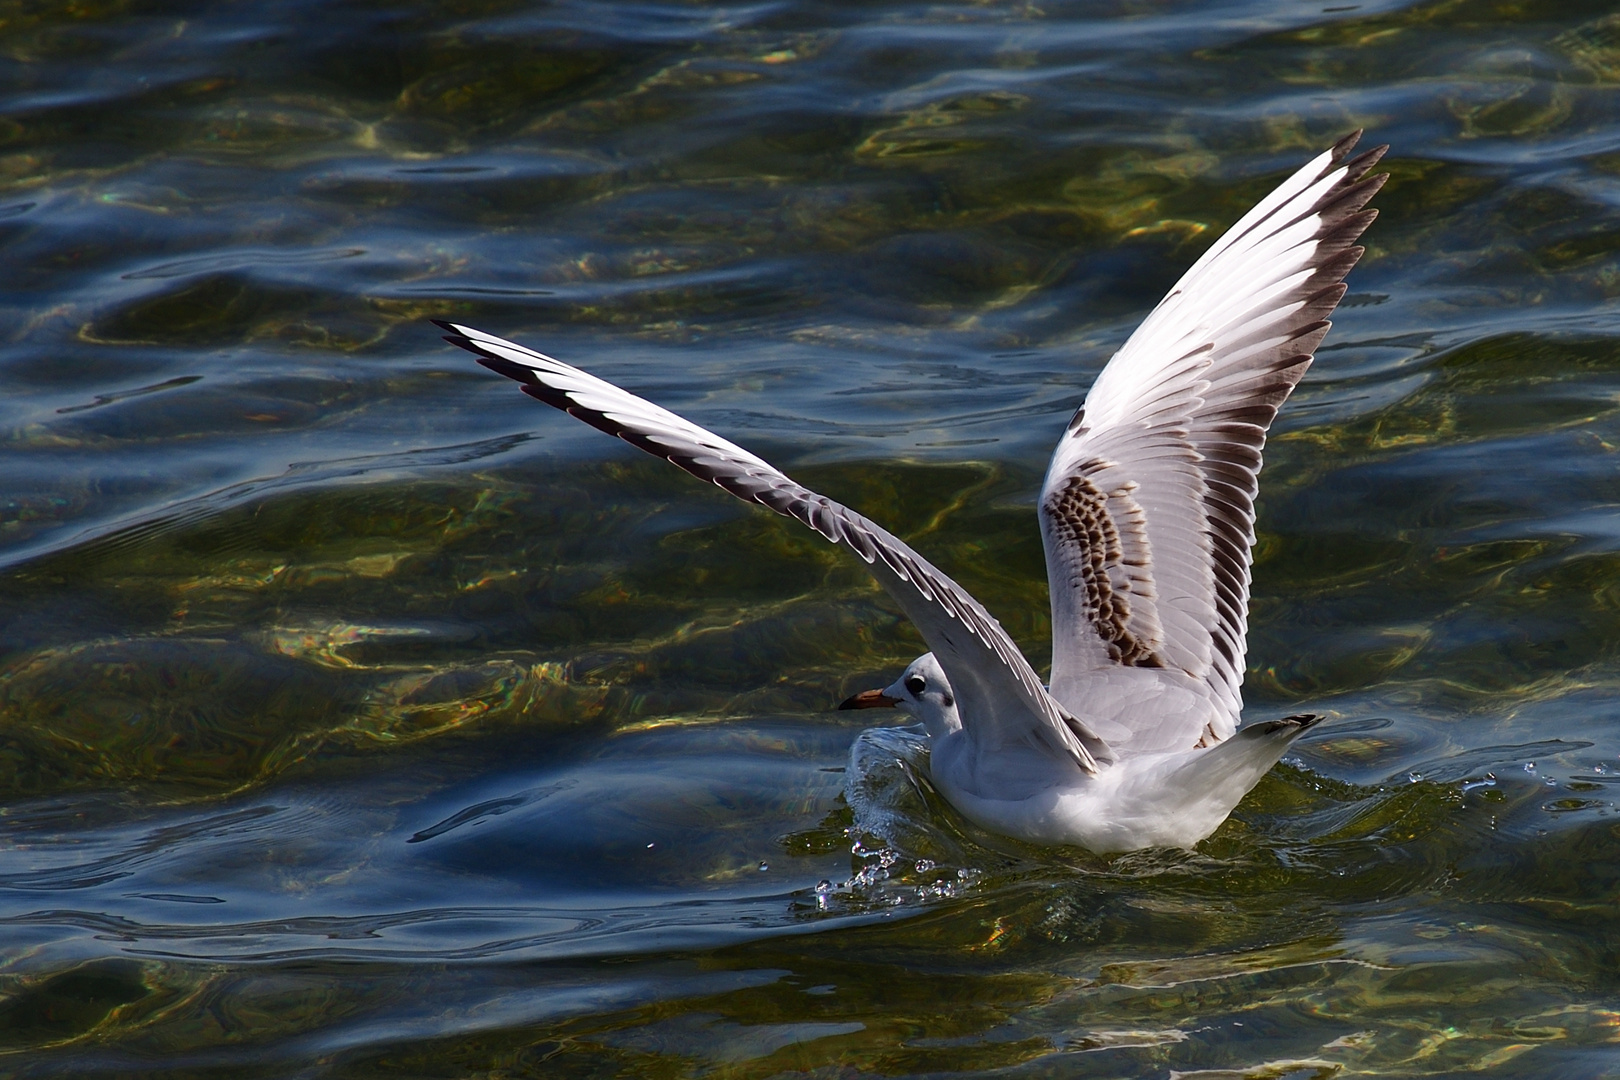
1147,517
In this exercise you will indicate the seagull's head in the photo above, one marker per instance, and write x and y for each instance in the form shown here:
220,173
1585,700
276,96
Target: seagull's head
922,691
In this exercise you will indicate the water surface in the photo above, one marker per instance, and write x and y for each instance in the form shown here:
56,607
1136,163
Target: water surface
360,717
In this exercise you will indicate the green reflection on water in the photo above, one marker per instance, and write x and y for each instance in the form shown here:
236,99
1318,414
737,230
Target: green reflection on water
233,255
222,647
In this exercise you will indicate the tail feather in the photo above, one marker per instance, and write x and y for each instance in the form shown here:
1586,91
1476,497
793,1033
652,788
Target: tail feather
1225,772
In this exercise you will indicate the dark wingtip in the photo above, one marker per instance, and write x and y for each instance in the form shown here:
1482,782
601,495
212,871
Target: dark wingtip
462,341
502,366
1289,727
1346,144
451,334
1358,166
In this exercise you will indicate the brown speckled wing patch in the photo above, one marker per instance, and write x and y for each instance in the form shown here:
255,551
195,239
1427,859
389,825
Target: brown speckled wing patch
1107,557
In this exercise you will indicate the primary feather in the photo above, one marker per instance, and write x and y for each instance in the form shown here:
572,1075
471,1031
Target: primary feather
1147,512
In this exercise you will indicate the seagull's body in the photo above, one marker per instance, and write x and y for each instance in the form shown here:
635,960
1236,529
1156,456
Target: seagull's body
1171,798
1147,514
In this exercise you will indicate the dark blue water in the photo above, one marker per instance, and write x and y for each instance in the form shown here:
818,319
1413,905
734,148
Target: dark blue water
360,717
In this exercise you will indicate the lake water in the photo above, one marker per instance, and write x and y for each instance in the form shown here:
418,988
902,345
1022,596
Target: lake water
360,717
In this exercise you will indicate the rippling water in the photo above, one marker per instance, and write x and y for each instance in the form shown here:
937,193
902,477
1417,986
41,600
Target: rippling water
359,717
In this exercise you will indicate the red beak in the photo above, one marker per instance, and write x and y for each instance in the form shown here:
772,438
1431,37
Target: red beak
870,699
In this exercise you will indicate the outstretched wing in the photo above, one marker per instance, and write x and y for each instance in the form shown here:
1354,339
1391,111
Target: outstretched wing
1000,698
1147,512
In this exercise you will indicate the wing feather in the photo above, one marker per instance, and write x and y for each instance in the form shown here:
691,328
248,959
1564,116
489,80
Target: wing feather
1181,414
1000,698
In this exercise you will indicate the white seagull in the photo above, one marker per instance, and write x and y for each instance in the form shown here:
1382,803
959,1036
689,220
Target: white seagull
1147,515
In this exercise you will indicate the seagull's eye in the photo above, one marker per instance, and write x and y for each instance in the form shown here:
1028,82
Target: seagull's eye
916,684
